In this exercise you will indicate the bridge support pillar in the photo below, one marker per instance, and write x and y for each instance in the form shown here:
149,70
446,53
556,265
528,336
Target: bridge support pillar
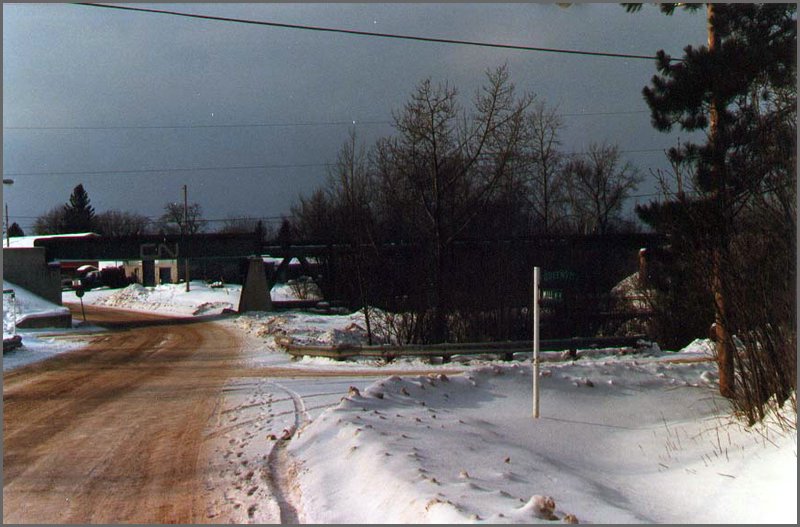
148,273
255,292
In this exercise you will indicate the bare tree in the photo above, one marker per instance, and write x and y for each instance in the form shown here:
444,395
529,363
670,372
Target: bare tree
233,225
545,165
313,216
598,184
350,188
51,222
121,223
449,163
173,222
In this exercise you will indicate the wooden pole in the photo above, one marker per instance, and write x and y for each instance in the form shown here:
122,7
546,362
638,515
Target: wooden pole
8,229
186,229
535,304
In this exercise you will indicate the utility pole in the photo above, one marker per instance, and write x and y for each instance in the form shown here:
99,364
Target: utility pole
186,233
8,226
8,230
535,358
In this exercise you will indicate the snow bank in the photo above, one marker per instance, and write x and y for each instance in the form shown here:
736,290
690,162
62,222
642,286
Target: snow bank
172,299
699,347
289,291
39,344
619,441
307,328
26,305
29,304
169,299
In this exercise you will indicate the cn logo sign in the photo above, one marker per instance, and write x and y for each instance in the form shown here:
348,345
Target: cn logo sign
158,251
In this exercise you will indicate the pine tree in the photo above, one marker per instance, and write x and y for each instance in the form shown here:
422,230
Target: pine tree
285,236
78,213
736,89
15,230
260,231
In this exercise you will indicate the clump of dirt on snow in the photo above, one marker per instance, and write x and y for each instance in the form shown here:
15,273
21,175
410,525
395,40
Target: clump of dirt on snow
212,308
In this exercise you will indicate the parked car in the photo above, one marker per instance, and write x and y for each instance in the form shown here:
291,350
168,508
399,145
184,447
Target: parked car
91,279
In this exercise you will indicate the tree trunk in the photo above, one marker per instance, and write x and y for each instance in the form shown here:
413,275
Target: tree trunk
440,304
724,344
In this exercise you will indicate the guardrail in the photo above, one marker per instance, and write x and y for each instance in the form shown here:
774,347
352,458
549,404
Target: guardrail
447,350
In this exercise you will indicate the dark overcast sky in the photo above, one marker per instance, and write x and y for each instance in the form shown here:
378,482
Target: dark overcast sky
76,66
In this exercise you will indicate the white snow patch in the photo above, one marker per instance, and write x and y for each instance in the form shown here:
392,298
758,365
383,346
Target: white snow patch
651,446
702,347
170,299
28,305
39,345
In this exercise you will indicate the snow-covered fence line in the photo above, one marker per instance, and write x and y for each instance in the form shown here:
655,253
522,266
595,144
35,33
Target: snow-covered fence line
447,350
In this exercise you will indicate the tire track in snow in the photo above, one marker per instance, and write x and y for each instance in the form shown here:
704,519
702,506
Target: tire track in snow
279,464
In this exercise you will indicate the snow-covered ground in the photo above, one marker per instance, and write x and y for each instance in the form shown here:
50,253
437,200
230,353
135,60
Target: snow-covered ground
169,299
41,344
621,438
173,299
37,344
26,304
618,441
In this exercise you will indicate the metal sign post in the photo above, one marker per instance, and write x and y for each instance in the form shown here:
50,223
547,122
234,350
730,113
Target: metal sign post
186,228
79,294
535,304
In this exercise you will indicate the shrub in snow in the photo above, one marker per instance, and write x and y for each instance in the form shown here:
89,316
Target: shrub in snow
304,288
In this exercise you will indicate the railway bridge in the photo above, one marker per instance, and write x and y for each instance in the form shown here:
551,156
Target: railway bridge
577,270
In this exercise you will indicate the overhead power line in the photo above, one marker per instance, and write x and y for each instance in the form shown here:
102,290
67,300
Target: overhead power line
241,167
169,169
375,34
592,114
267,125
193,126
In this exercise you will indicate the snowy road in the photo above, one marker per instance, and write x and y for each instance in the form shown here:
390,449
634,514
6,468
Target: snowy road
159,420
114,432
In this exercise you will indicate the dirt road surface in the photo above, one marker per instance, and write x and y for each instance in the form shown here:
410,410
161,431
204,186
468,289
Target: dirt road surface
158,420
114,432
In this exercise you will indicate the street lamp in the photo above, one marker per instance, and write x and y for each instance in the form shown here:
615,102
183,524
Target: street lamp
8,229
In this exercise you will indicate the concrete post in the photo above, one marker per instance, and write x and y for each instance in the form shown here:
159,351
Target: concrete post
148,273
255,292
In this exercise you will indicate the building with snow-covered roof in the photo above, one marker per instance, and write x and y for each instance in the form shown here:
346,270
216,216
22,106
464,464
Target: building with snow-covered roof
15,242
